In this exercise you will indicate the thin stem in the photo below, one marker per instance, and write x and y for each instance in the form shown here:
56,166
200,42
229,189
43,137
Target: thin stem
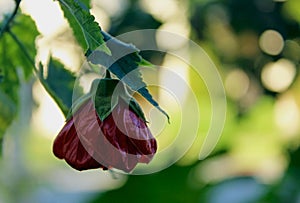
5,27
107,74
23,48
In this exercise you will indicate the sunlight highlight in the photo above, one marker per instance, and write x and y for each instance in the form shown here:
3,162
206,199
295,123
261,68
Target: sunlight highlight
47,15
278,76
47,119
169,42
167,80
114,8
101,16
162,10
6,7
287,116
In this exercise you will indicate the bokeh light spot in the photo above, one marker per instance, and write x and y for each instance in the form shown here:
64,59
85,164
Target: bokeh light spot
237,83
271,42
278,76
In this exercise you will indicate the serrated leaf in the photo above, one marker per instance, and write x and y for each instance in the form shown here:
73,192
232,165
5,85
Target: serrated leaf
86,3
59,83
86,29
124,62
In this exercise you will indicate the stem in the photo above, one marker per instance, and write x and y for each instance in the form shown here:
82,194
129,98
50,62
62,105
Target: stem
23,49
5,27
57,100
107,74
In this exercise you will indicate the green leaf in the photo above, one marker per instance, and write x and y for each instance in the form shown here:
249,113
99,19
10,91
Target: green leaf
59,83
87,3
13,57
102,91
10,81
124,62
25,30
84,26
144,62
104,106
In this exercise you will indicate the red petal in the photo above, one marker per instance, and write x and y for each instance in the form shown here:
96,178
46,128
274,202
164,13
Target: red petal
68,146
121,141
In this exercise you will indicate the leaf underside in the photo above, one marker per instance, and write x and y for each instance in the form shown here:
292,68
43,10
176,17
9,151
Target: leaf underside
120,58
124,62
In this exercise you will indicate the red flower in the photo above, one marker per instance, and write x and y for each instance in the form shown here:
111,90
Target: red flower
121,140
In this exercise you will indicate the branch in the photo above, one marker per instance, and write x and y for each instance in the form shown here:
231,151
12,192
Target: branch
23,48
5,27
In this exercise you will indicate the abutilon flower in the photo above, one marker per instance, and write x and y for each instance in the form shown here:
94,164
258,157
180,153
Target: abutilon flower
105,131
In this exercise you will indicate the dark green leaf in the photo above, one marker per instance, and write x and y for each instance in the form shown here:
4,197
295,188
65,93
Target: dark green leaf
59,83
87,3
104,106
103,91
85,28
124,62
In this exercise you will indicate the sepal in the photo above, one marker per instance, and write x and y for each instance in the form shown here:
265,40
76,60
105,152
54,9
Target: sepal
106,94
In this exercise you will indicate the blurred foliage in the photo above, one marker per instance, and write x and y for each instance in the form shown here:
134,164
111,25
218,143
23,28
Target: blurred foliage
142,20
10,43
233,29
171,185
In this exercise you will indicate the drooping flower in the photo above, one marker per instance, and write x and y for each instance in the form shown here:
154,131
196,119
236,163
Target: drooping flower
107,130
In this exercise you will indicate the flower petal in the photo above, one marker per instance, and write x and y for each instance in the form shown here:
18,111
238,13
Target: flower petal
68,146
121,141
